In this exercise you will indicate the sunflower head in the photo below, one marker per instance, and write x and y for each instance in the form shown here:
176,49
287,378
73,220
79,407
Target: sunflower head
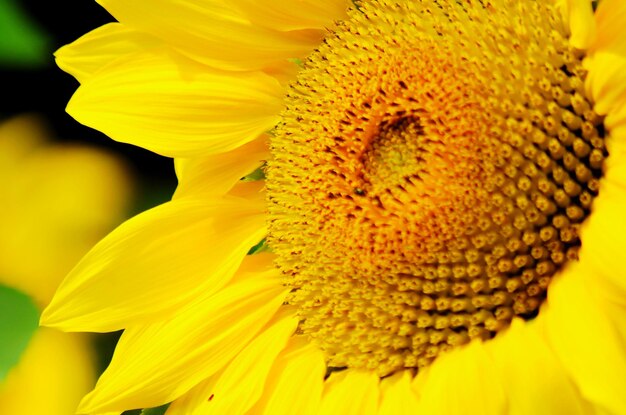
440,207
429,176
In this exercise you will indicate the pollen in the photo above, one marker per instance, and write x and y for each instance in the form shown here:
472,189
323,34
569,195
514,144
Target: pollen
432,168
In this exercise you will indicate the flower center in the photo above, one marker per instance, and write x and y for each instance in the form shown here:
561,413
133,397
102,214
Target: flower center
429,176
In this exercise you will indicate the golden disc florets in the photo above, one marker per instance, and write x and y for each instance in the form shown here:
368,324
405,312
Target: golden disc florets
432,168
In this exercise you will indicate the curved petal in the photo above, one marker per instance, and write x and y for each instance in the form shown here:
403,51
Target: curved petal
473,387
298,374
610,17
606,83
397,396
213,32
603,233
350,392
295,14
603,252
156,363
585,340
578,15
194,245
241,383
174,107
531,375
91,52
217,174
192,400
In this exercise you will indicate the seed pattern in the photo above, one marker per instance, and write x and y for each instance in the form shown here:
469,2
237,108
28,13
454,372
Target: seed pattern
430,174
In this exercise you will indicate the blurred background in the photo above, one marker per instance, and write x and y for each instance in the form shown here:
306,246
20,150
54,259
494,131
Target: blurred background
30,32
63,187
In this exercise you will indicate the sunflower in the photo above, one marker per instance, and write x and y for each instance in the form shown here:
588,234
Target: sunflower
429,219
49,218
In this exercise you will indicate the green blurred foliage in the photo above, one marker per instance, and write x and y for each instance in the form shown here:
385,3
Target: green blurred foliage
19,319
22,42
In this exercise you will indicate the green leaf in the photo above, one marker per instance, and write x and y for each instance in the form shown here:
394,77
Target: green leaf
155,411
297,61
260,247
258,174
19,318
22,42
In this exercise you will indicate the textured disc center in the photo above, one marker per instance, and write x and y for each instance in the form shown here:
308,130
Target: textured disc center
429,176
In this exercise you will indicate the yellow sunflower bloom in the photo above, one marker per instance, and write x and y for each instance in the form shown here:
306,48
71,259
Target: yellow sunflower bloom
437,229
57,200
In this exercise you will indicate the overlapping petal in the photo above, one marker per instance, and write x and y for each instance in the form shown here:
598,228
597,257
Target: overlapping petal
606,83
532,377
213,32
606,62
610,18
157,261
578,15
473,387
603,233
351,392
397,397
217,174
585,339
603,236
156,363
242,382
293,15
167,104
298,373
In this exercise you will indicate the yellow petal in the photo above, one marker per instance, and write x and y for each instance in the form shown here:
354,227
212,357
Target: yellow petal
283,73
51,377
156,262
610,17
533,379
616,310
242,382
175,107
578,15
585,339
293,15
615,121
350,392
603,234
462,381
218,173
294,385
213,32
98,48
250,190
156,363
606,83
397,395
192,400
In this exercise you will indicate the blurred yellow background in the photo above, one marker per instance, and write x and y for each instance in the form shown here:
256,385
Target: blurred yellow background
58,200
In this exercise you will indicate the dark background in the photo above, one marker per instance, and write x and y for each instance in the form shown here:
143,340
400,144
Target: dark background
46,90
